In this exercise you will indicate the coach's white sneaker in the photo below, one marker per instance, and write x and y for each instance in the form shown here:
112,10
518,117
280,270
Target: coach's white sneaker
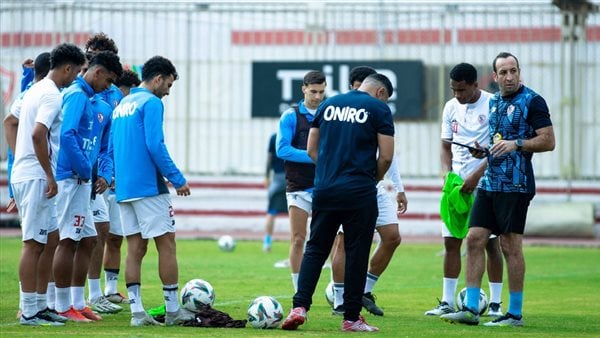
179,317
143,319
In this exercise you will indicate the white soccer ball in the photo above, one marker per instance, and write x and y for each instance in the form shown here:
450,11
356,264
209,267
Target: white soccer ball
197,294
226,243
329,293
462,296
265,312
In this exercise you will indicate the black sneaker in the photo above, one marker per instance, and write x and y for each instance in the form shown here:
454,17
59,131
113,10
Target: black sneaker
495,310
368,302
338,311
51,316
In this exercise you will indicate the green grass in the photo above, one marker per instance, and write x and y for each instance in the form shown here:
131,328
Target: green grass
561,293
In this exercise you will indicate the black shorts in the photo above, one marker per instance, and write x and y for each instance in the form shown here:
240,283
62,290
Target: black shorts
501,212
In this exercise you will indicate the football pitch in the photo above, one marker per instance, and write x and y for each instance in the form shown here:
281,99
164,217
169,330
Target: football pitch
561,294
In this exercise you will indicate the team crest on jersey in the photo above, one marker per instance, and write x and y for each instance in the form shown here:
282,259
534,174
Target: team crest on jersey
510,110
100,117
454,126
482,119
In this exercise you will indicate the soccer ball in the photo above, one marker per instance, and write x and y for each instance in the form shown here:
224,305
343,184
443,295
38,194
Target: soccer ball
197,294
226,243
329,293
462,296
265,312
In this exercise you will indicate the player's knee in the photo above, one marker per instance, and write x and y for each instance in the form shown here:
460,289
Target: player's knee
393,242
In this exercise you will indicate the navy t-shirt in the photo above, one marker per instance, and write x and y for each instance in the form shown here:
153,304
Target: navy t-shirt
347,164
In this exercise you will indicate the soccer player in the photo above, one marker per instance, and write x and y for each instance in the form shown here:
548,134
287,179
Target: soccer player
146,210
386,225
276,187
346,135
111,97
46,287
299,167
75,159
35,139
465,120
114,239
519,126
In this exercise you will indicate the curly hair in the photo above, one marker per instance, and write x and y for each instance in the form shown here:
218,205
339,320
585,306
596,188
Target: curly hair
129,78
108,60
101,42
158,65
66,53
360,73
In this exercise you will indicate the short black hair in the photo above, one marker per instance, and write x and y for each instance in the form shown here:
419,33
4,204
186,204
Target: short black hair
158,65
108,60
129,78
313,77
504,55
101,42
66,53
360,73
464,72
41,65
381,80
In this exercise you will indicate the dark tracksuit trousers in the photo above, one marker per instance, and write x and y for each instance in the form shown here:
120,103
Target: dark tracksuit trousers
359,226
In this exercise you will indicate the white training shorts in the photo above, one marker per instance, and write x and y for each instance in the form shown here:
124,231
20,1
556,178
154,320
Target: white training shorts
114,215
99,209
300,199
106,210
387,207
149,216
38,213
75,220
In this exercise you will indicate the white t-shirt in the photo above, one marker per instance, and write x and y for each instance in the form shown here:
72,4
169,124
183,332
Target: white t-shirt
466,123
42,103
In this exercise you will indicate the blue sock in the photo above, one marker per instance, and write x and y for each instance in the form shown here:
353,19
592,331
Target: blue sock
268,240
515,303
473,299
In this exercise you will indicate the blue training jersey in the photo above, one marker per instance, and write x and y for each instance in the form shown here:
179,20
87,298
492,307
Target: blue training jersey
140,155
101,133
287,130
516,116
76,140
347,156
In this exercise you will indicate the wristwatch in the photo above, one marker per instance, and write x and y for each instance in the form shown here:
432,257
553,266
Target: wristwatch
519,144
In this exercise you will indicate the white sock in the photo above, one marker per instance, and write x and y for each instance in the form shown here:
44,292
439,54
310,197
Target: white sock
295,281
338,294
42,303
20,297
78,297
370,283
495,292
51,295
63,299
449,290
110,281
95,291
29,300
135,298
171,300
